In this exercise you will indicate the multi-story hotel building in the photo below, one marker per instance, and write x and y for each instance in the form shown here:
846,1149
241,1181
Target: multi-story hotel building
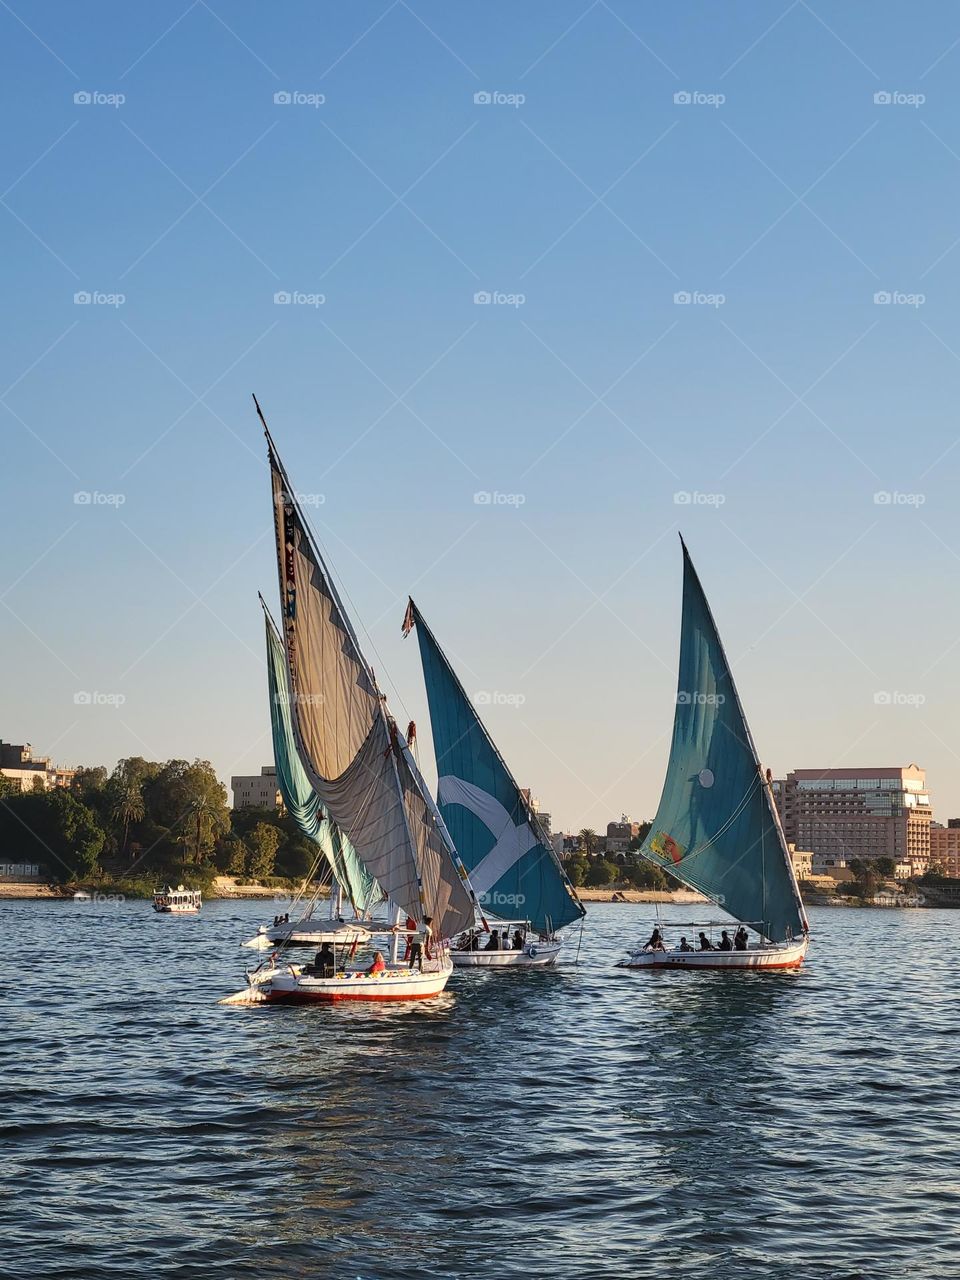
843,814
20,766
256,791
945,848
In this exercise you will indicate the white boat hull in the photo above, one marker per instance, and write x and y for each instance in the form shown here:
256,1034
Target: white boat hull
534,954
290,985
789,956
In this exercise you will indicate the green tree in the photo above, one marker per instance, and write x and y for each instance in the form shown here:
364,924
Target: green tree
576,868
262,843
54,829
601,873
644,876
588,841
127,806
189,801
885,866
296,856
641,835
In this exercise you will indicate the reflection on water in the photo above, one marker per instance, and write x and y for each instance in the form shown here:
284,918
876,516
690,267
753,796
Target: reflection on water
587,1121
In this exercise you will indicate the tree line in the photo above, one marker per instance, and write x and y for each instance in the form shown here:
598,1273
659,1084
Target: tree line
167,820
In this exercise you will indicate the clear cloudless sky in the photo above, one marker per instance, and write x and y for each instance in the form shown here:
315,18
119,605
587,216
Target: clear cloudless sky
780,401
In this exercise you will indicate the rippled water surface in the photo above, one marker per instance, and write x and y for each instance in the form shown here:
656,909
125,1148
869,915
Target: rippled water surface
580,1122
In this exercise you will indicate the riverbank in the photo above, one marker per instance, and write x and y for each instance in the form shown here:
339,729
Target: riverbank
222,887
680,897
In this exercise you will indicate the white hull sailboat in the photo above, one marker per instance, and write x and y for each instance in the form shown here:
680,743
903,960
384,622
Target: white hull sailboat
350,780
498,834
295,984
717,829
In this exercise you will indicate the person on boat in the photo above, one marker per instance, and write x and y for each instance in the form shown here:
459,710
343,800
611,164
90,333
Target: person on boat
518,939
740,939
656,941
325,962
475,941
505,941
493,942
378,964
421,944
286,918
725,942
410,927
705,943
685,945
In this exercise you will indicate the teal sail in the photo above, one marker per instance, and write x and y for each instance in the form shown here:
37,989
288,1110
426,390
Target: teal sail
716,828
512,866
299,798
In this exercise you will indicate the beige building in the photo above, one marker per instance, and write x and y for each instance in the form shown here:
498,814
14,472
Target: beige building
256,791
945,848
844,814
802,860
19,765
620,834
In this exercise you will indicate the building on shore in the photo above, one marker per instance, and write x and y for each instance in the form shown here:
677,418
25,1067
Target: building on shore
620,835
802,860
256,791
841,815
945,848
543,817
19,765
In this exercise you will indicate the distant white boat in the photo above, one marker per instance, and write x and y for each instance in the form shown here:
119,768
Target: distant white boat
80,896
176,901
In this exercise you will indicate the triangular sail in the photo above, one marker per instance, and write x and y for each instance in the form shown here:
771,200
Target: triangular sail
301,801
353,756
716,828
513,868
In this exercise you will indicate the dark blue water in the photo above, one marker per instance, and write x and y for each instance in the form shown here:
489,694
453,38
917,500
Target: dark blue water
584,1122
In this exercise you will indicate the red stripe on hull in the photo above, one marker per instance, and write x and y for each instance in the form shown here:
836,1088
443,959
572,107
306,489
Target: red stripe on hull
727,968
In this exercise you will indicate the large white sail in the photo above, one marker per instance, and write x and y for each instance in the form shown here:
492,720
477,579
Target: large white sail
349,746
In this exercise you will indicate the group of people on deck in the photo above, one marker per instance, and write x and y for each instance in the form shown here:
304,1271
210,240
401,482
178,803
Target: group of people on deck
739,942
499,940
419,947
281,920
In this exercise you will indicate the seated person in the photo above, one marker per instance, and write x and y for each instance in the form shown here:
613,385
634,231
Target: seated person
475,941
325,962
705,943
740,939
518,939
725,943
378,965
493,942
656,941
684,945
505,941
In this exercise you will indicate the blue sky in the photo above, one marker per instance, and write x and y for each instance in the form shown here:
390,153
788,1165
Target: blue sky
782,197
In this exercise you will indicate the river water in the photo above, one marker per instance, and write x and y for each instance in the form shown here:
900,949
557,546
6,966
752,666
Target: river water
580,1122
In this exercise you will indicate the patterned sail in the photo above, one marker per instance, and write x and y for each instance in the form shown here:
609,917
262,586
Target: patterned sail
716,828
300,799
512,866
354,758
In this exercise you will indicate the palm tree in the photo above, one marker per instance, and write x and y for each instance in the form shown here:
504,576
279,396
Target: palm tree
202,808
127,807
588,840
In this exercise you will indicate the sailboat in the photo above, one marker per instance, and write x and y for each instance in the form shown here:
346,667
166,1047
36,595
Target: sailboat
717,829
336,864
363,774
519,882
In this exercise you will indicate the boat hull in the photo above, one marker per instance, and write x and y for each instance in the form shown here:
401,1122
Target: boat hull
533,955
789,956
290,985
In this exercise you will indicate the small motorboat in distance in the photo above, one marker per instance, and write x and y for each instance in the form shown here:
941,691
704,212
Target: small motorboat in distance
717,829
176,901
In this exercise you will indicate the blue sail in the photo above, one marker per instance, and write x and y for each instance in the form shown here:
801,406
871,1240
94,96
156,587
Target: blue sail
716,828
512,867
300,799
